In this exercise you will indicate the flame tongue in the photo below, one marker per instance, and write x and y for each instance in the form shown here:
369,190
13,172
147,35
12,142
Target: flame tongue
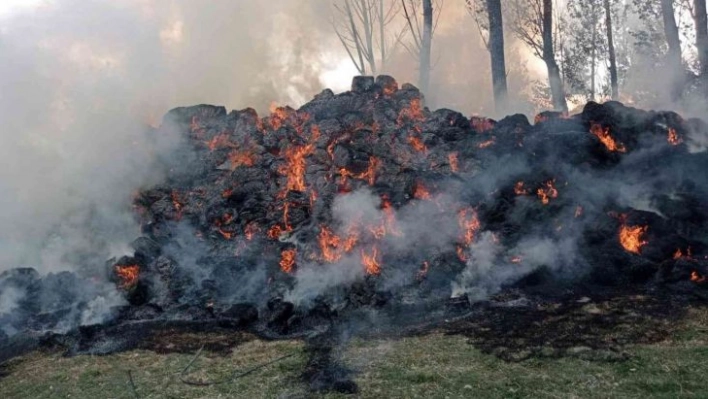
698,278
603,134
128,275
371,261
287,260
547,192
673,138
632,237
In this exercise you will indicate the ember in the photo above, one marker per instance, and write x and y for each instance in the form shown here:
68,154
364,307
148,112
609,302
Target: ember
287,260
127,275
547,192
421,192
487,143
698,278
631,238
673,138
519,189
370,261
603,134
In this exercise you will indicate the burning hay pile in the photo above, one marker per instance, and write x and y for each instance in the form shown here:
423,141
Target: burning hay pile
367,199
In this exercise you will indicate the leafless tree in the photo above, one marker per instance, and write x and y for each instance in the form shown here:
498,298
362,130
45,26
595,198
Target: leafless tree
533,24
488,17
673,56
421,31
363,28
614,84
701,20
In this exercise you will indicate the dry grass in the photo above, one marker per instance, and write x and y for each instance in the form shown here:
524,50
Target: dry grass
432,366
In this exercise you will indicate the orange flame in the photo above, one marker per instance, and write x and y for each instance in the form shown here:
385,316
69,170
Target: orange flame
461,253
369,175
519,189
679,254
631,238
469,224
219,141
238,158
278,115
603,133
176,204
697,278
128,275
414,113
539,118
329,245
417,144
389,216
275,232
371,262
547,192
487,143
453,161
673,138
295,168
227,234
333,246
287,260
421,192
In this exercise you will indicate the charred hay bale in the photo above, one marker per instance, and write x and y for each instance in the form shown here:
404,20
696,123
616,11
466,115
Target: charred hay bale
361,84
236,315
559,149
129,273
196,115
23,286
146,249
443,118
278,313
387,84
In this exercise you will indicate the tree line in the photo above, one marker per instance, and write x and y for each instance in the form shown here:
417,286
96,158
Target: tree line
589,47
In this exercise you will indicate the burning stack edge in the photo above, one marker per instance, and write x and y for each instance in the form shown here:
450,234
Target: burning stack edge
367,198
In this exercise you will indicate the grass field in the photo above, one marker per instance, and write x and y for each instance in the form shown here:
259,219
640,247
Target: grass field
431,366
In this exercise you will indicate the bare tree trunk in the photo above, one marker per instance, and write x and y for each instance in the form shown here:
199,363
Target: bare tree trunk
424,79
368,34
554,78
701,20
496,51
673,57
360,66
382,35
611,50
593,56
